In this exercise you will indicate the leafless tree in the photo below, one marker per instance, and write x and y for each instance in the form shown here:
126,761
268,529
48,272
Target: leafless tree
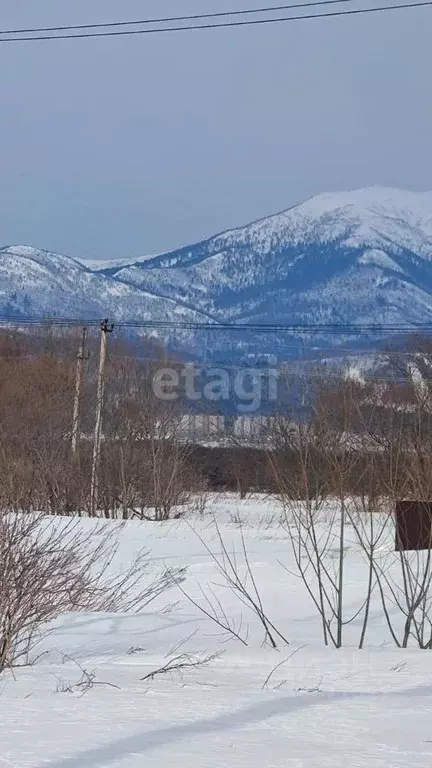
145,464
340,472
146,460
321,464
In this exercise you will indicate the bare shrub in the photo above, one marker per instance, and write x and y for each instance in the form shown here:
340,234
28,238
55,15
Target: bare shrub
240,579
303,490
146,468
35,422
51,567
404,576
321,464
364,446
85,683
401,430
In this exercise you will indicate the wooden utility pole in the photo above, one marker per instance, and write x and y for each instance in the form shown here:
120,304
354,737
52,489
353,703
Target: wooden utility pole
106,328
78,384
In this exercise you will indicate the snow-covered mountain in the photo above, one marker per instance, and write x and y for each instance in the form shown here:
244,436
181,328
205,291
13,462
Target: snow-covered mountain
349,257
40,283
362,256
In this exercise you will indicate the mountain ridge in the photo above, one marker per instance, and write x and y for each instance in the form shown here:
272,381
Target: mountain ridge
356,257
385,235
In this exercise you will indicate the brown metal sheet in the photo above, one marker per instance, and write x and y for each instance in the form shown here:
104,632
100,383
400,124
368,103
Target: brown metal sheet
413,525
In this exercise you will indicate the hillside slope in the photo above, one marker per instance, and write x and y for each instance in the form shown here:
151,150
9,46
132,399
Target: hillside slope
363,256
41,283
348,257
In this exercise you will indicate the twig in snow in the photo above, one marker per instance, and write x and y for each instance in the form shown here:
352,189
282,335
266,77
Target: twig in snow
182,661
280,664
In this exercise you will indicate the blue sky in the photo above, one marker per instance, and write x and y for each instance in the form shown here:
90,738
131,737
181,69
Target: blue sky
121,147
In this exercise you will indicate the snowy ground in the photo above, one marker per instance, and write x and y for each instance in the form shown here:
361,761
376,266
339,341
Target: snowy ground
323,708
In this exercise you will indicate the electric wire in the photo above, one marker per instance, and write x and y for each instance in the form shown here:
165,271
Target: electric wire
225,24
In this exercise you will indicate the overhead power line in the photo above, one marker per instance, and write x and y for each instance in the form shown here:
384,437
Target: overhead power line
168,19
309,328
222,25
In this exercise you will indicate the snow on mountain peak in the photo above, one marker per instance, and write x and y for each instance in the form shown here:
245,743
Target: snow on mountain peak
374,208
369,198
371,216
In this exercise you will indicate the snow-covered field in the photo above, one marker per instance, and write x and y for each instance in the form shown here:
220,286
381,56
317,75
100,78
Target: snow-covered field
321,708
